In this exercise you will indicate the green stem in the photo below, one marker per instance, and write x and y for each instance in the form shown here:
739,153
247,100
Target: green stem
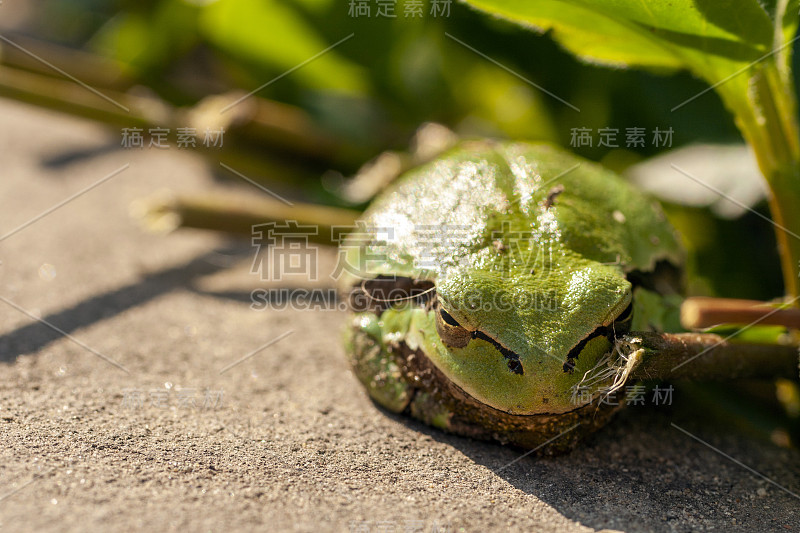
237,213
706,357
767,118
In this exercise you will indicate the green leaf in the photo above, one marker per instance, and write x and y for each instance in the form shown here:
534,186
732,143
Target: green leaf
275,36
149,40
712,38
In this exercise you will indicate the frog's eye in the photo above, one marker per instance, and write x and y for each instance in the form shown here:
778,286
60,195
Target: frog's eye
448,318
450,331
455,335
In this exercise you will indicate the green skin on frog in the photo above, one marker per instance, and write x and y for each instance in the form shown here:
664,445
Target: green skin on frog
489,284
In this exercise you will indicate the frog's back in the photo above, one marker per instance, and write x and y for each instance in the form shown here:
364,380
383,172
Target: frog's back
456,207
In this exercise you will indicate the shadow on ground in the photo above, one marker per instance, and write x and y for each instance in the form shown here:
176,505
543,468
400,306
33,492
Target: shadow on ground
612,480
37,335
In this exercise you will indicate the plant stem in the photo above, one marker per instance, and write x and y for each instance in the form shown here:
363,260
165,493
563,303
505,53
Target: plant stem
237,213
702,312
767,118
706,357
254,124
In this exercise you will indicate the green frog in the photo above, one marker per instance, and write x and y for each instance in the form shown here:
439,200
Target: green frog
489,285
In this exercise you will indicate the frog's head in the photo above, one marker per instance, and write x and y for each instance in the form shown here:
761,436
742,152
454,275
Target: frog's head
527,343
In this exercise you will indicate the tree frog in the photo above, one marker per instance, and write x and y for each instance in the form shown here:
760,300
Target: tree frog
488,286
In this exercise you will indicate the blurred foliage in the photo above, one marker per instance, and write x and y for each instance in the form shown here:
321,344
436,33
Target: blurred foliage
377,87
391,76
731,258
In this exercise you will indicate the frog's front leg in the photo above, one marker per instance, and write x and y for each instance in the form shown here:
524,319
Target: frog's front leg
382,366
374,364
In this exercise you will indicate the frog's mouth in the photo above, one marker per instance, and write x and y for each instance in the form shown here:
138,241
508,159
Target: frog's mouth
378,294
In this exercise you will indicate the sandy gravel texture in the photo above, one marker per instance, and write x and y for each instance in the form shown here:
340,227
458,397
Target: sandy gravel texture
286,440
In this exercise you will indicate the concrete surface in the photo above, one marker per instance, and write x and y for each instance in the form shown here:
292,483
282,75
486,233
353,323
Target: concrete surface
291,443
